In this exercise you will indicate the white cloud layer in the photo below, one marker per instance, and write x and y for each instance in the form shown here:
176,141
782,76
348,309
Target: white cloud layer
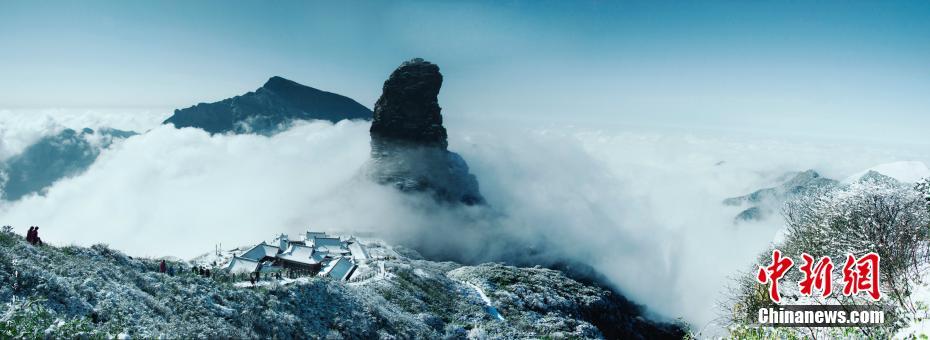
641,207
20,128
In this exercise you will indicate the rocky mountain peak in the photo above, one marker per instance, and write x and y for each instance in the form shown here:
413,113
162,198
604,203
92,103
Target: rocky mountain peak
277,83
408,141
408,110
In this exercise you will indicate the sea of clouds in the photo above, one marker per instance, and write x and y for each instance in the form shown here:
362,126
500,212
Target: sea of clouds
640,206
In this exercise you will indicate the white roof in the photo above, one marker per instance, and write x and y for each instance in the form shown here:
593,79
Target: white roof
260,251
331,245
358,251
340,268
333,251
319,257
299,253
327,241
240,265
314,234
282,241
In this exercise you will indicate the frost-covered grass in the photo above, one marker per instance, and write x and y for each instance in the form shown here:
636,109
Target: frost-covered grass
116,294
542,302
30,320
98,292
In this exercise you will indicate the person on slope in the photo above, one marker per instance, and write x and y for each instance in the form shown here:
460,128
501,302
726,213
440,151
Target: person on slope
36,240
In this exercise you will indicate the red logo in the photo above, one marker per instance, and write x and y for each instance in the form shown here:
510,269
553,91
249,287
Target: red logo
859,275
774,272
818,276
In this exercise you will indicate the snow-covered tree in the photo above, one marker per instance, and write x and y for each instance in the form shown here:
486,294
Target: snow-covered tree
889,218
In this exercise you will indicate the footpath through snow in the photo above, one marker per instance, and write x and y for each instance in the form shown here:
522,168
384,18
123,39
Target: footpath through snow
487,302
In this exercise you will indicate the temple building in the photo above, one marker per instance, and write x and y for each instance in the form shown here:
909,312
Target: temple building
315,254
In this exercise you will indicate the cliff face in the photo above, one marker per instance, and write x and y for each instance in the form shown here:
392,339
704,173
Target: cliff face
268,109
408,141
408,110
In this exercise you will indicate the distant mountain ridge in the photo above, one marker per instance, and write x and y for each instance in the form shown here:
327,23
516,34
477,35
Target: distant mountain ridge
764,202
269,109
901,171
54,157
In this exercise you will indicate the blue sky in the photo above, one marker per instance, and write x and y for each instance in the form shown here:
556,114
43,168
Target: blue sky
856,70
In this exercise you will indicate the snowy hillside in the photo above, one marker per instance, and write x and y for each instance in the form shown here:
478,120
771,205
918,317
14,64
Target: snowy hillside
98,291
904,171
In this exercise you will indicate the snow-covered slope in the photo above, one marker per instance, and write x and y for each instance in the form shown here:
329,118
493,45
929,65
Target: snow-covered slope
97,291
904,171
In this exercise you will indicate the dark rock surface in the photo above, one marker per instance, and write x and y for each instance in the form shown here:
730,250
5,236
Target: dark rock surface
408,141
408,109
269,109
65,154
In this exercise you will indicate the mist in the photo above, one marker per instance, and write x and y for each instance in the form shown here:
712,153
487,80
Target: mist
22,127
640,206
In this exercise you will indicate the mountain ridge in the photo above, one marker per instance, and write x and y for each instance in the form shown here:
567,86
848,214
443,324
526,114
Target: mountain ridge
65,154
764,202
269,109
